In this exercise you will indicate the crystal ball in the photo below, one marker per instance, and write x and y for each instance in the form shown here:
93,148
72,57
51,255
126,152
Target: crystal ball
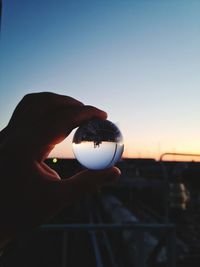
98,144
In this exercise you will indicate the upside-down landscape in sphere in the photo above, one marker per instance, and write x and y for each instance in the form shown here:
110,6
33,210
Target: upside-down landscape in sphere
98,144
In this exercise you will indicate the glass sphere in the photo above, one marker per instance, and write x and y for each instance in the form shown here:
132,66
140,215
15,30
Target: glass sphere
98,144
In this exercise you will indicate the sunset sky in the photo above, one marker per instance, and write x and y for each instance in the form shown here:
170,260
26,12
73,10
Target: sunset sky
137,60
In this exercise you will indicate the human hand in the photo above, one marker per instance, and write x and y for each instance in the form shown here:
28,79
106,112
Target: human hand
30,191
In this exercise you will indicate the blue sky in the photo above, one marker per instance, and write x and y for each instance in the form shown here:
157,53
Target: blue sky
138,60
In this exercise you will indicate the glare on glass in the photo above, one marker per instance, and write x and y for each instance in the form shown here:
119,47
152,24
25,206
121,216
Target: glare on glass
98,144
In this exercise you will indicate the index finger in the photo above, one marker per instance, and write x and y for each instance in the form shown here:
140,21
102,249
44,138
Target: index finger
58,125
62,122
35,105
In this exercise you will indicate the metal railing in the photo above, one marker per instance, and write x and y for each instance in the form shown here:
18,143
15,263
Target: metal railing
178,154
138,228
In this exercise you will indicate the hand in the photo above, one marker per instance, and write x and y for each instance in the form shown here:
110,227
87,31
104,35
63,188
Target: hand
30,191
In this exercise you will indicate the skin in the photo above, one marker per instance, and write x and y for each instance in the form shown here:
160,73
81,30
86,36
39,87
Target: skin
31,193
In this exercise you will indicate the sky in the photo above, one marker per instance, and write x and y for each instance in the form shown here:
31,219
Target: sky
137,60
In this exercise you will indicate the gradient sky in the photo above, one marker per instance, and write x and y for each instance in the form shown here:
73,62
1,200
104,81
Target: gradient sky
138,60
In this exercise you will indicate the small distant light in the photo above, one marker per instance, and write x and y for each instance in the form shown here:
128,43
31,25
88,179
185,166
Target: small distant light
55,160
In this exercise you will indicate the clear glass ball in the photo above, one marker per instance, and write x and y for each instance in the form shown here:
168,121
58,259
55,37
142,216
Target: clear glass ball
98,144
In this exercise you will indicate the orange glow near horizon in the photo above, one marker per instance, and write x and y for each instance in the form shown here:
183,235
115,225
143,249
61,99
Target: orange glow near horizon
64,150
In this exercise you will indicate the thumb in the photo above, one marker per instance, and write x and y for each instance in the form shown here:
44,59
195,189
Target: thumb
86,182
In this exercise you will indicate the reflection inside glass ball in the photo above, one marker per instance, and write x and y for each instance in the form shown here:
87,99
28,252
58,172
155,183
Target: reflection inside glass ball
98,144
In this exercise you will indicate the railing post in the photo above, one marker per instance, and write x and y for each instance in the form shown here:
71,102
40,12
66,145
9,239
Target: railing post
171,247
140,249
64,248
